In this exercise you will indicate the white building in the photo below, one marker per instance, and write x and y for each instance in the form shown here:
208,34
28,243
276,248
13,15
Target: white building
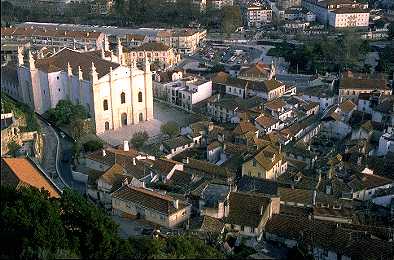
339,14
114,95
386,144
182,91
258,14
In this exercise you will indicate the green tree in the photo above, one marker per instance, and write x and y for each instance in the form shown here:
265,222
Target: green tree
231,19
93,145
391,30
13,148
80,127
170,128
87,227
66,112
139,139
30,225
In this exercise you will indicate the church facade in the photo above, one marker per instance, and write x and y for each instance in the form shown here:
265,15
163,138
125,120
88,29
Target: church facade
114,95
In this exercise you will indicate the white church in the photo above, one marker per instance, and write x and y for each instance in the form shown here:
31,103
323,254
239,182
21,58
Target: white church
115,95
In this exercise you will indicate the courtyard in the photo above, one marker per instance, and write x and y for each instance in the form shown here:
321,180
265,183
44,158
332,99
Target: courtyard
162,112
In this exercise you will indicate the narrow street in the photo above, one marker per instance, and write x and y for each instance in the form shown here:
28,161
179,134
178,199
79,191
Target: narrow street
53,156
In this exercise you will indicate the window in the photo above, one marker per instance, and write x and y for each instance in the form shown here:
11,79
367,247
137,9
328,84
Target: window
140,96
122,98
106,126
123,118
141,117
105,105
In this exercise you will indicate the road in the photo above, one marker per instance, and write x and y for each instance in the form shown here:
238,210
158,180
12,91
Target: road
58,170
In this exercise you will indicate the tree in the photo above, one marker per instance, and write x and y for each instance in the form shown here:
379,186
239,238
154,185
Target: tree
93,145
80,128
31,226
66,112
391,30
170,128
231,19
139,139
13,148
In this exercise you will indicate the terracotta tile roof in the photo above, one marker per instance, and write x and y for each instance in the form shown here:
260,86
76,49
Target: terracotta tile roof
268,157
256,70
244,127
49,32
213,145
163,165
245,208
347,106
220,77
152,46
114,176
343,239
213,170
296,195
368,181
25,173
209,225
109,158
149,199
266,121
275,104
59,61
352,83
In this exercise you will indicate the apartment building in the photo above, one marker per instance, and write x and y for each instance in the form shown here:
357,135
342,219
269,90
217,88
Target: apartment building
339,13
185,41
157,53
219,4
182,91
258,14
43,36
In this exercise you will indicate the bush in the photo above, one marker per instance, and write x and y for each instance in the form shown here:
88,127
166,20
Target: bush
93,145
139,139
170,128
13,148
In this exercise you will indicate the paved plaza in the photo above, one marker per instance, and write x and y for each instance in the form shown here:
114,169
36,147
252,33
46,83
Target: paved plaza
162,112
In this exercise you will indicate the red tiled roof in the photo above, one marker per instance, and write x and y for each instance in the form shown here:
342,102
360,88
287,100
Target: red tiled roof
26,174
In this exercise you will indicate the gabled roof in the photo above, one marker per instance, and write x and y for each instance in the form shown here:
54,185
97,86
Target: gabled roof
208,224
148,199
368,181
220,77
268,157
347,106
257,185
152,46
246,209
213,170
345,239
21,172
113,176
353,83
266,121
58,62
256,70
244,127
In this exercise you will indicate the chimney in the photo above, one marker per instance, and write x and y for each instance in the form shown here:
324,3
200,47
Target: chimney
176,203
134,161
126,146
104,153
